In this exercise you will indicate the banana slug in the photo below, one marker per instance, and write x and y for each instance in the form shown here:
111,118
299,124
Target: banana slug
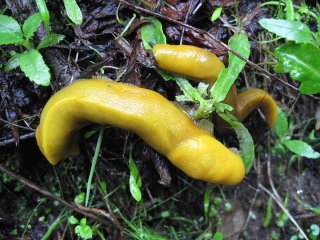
148,114
204,66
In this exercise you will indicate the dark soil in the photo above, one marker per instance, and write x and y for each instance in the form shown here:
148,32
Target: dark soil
172,203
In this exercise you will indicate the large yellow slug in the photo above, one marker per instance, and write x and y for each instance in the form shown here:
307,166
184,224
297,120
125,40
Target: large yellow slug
202,65
151,116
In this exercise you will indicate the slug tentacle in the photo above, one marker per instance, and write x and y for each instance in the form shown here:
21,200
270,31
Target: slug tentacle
151,116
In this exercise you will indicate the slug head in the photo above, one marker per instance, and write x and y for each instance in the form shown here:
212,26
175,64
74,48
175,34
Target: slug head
205,158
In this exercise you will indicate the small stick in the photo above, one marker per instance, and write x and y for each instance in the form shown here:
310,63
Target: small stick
51,195
12,140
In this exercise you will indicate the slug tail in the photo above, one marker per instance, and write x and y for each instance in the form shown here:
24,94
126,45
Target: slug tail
254,98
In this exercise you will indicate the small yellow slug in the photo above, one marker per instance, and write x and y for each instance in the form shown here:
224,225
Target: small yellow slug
151,116
202,65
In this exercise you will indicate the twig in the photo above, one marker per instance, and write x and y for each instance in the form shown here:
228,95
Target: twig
16,125
210,37
250,209
12,140
51,195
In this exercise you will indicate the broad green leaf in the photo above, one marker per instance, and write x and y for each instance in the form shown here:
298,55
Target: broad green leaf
301,148
73,11
31,25
50,40
152,33
34,67
218,236
288,29
289,10
84,231
239,43
12,63
43,10
10,31
281,124
245,140
72,220
134,189
216,14
79,198
302,62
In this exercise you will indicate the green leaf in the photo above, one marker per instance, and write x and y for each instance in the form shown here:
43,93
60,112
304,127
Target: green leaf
238,42
134,171
245,140
289,10
10,31
302,62
218,236
135,182
134,189
216,14
152,33
31,25
281,124
83,221
315,230
84,231
12,63
50,40
301,148
72,220
73,11
268,216
288,29
79,198
34,67
206,200
44,13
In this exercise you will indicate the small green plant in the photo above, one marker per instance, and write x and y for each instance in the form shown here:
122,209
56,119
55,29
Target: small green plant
313,233
30,60
299,55
298,147
81,228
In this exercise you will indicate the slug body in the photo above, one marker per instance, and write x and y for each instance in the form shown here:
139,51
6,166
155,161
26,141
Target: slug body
194,62
202,65
151,116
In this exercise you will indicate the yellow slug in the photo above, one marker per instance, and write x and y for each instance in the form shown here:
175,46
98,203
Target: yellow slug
194,62
202,65
151,116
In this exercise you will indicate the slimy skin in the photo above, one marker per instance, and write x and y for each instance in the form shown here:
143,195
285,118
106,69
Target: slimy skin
254,98
151,116
196,63
203,66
